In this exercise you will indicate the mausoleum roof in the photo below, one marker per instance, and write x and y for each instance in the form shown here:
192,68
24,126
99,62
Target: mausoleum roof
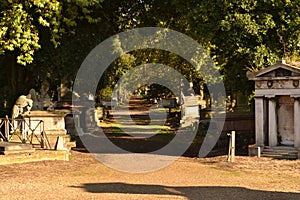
280,70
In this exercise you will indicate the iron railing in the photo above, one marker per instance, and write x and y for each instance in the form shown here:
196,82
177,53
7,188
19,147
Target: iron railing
25,130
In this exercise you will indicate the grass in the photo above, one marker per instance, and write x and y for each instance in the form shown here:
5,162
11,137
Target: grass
115,129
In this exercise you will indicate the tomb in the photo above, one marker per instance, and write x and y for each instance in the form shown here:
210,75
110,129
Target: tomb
52,122
277,107
190,111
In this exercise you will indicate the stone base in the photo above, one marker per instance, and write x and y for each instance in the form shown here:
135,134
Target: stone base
254,150
7,148
53,121
38,155
53,125
188,121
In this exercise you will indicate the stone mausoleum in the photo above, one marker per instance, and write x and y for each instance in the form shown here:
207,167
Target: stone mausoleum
277,106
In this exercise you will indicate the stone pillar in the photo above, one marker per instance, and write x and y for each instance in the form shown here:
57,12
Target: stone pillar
272,123
297,122
259,121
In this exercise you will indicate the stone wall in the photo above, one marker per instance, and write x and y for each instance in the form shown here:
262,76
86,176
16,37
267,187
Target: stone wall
244,126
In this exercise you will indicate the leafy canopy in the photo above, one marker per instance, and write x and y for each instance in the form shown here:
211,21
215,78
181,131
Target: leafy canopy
22,21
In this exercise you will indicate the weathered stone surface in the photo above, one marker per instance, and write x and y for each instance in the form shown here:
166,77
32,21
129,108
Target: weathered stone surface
277,93
53,125
190,111
191,100
14,148
285,115
60,143
38,155
53,121
254,150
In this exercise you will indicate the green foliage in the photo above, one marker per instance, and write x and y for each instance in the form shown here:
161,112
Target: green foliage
240,35
106,93
22,21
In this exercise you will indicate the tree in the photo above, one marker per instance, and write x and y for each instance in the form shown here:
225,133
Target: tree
22,21
24,26
250,35
239,35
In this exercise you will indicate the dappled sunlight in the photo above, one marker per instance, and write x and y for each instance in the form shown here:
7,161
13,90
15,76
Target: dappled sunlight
139,120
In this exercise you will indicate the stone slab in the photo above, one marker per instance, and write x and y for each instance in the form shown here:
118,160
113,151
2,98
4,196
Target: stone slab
15,148
192,111
38,155
54,122
191,101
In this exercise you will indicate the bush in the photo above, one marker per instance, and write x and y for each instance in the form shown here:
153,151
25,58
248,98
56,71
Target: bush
106,93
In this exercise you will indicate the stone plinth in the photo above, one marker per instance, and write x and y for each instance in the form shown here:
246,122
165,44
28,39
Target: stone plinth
255,150
53,121
36,156
191,107
53,124
190,111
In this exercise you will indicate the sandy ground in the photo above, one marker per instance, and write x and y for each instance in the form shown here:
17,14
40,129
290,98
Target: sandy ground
83,177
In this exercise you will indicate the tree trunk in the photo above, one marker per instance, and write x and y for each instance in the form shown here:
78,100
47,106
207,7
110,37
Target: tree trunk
17,78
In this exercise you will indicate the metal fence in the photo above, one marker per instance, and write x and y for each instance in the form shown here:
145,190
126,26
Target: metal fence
25,130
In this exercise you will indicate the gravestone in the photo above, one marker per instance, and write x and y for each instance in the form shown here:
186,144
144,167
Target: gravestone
190,111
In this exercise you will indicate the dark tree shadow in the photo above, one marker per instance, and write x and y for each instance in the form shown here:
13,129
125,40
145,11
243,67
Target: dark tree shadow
190,192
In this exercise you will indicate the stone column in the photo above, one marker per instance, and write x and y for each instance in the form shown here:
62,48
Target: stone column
259,121
297,122
272,123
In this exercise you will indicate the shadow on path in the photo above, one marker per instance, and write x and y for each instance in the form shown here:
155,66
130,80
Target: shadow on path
190,192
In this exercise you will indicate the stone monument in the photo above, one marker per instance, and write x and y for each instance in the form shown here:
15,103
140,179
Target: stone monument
42,100
42,117
190,112
277,106
51,122
22,105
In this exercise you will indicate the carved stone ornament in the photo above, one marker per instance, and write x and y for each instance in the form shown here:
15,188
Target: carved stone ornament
270,83
258,84
281,84
295,83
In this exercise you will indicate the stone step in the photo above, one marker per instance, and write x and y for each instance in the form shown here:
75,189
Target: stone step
71,145
280,152
280,148
7,148
288,157
37,155
52,138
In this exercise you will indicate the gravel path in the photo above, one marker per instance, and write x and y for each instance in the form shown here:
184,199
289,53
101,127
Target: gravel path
188,178
83,177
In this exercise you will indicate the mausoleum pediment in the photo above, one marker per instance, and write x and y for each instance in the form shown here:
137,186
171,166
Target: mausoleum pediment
277,71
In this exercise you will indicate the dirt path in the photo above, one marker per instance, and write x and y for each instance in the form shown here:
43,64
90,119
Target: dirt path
83,177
